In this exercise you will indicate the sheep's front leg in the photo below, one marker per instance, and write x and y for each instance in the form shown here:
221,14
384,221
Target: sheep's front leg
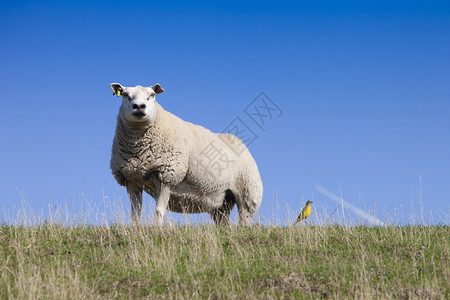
162,199
135,194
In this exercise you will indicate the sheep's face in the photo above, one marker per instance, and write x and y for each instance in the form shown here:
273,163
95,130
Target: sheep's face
138,103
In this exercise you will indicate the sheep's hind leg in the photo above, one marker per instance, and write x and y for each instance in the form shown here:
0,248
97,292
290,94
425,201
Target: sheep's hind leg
135,194
221,216
248,199
245,216
245,209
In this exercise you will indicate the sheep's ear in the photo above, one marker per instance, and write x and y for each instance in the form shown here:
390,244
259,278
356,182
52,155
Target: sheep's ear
117,88
157,88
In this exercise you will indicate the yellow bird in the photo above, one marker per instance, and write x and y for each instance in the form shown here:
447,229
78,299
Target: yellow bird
306,211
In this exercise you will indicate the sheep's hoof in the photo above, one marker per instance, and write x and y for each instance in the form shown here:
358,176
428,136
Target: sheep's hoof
159,217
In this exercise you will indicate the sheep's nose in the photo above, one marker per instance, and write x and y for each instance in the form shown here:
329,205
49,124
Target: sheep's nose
141,106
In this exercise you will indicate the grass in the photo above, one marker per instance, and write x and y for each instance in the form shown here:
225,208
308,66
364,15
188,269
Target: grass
185,262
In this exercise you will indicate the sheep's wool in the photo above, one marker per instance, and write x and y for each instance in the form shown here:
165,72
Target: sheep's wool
203,169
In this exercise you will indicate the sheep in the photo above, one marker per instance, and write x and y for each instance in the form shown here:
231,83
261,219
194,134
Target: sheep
185,167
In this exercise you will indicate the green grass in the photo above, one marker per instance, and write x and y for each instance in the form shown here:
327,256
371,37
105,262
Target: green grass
71,262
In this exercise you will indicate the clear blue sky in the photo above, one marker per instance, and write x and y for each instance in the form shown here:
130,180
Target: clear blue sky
364,88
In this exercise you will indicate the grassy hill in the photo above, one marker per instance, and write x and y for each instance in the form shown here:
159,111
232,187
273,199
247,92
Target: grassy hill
51,261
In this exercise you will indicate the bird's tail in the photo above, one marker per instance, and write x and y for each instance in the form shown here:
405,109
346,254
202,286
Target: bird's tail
298,220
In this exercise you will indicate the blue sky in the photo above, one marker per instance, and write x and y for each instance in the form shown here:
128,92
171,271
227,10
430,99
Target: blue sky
364,89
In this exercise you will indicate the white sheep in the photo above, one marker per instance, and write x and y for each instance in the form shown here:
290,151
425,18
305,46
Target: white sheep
185,167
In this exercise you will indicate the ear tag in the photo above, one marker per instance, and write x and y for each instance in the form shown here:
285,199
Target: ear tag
119,90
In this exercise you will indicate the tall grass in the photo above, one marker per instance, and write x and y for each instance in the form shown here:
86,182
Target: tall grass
205,261
65,257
